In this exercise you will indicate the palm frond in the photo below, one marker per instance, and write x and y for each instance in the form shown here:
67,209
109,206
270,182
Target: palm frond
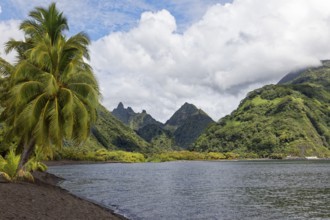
26,90
55,128
19,46
53,22
5,68
67,111
79,42
86,91
41,129
81,121
83,77
31,28
24,71
28,118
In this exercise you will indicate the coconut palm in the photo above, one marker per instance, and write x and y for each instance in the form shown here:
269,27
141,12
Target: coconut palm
53,92
5,70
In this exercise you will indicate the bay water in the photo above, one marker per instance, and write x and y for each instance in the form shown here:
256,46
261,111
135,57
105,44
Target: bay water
205,190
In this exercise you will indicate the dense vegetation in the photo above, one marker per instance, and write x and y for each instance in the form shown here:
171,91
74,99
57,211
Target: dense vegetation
159,138
190,155
136,157
191,129
111,134
85,153
278,120
180,131
187,124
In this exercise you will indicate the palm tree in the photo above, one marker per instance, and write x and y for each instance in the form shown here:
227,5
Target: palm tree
53,92
5,70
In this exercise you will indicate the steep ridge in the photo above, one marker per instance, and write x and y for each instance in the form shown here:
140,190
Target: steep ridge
186,124
181,130
111,133
159,138
132,119
146,127
291,118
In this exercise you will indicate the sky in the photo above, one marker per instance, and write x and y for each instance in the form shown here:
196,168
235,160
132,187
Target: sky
155,55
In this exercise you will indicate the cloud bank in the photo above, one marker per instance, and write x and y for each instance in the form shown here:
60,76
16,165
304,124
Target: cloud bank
234,48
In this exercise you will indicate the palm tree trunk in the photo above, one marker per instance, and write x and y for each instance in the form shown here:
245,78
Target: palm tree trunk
27,151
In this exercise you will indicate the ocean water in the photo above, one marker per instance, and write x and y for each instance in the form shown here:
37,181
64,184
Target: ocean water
205,190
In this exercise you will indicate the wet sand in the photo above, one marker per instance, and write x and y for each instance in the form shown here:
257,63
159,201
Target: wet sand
44,200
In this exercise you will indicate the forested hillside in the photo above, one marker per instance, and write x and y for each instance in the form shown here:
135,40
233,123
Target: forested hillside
291,118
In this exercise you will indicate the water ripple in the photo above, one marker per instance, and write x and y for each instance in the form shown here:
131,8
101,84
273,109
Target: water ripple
206,190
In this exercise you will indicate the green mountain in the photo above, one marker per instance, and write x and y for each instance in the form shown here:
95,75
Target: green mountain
181,130
146,127
134,120
291,118
159,138
111,133
187,124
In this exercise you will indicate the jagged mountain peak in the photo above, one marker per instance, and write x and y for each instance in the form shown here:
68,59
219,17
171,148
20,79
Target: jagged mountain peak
187,123
187,106
185,111
132,119
122,113
120,105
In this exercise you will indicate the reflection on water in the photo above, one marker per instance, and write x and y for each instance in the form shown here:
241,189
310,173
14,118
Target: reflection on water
206,190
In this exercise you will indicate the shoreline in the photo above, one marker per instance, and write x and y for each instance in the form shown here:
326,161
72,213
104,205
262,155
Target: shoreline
43,199
84,162
75,162
53,180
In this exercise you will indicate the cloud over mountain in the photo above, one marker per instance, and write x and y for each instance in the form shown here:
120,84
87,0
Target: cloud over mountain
232,49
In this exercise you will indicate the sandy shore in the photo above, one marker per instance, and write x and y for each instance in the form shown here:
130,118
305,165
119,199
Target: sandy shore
43,200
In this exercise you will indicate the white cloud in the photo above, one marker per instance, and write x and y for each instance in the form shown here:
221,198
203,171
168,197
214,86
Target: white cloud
234,48
9,29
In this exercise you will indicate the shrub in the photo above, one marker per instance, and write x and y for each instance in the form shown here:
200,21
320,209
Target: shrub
215,156
231,156
9,168
185,155
100,155
278,156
